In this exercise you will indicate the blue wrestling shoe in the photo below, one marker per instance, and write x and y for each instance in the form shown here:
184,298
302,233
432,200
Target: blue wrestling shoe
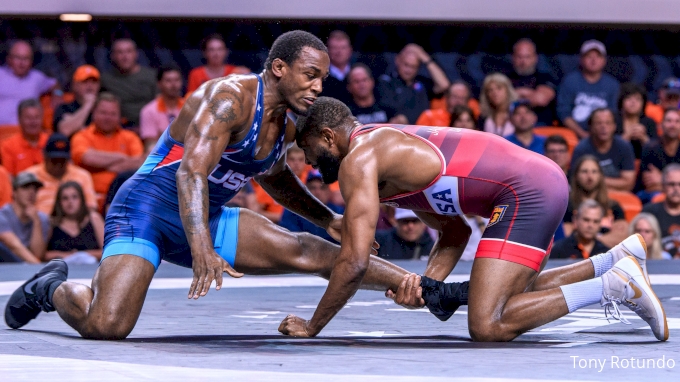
35,294
443,299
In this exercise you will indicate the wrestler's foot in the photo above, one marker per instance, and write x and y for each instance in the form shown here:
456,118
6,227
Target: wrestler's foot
625,284
35,294
634,246
443,299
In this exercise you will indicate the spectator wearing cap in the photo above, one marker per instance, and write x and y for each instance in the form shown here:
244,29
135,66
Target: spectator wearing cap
408,240
104,148
23,229
19,81
458,94
631,123
538,88
57,170
587,89
319,189
615,155
658,154
72,117
157,115
132,83
668,98
25,149
362,104
522,116
215,53
406,93
5,187
340,55
582,243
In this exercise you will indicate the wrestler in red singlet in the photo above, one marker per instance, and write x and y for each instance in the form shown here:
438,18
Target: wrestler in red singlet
523,194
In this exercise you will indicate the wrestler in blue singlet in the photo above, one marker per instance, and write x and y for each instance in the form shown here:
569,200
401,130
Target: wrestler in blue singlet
144,219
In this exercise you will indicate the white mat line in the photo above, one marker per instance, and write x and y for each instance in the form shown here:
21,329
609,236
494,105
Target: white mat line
8,287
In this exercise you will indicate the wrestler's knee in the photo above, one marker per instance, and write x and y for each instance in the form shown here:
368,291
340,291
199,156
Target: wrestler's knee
113,325
489,330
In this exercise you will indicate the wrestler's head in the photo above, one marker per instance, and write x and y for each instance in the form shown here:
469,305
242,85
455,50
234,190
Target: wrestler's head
299,60
324,134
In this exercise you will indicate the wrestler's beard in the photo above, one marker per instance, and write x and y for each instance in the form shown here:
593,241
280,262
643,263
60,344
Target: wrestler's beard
329,166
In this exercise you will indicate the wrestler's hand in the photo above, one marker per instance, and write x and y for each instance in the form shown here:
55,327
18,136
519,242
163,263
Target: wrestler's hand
409,294
206,269
335,230
295,326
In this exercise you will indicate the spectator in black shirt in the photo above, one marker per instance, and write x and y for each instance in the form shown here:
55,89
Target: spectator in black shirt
340,54
668,211
405,93
408,240
614,155
360,84
582,243
631,123
658,154
536,87
72,117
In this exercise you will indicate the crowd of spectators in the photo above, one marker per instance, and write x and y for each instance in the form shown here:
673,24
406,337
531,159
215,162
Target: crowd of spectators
65,148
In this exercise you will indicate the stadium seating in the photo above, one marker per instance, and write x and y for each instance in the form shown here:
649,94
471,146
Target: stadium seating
568,135
630,203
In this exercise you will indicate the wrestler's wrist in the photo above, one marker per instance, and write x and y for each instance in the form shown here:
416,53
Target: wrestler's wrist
312,330
331,217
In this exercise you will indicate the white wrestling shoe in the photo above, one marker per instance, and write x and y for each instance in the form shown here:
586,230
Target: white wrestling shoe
625,284
634,246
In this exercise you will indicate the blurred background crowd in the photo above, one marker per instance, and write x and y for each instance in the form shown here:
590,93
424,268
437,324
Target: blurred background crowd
82,105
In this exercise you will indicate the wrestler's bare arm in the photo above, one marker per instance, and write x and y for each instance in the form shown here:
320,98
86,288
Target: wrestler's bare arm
287,189
224,108
359,180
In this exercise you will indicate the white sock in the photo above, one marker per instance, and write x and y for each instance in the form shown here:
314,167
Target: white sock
582,294
602,263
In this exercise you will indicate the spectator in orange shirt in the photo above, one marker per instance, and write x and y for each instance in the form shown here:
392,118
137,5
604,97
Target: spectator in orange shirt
458,94
57,170
215,53
669,98
5,187
157,115
24,149
104,148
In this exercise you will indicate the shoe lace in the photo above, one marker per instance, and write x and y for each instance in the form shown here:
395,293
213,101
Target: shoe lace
611,309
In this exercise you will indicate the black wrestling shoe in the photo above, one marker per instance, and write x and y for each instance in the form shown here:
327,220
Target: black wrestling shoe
443,299
35,294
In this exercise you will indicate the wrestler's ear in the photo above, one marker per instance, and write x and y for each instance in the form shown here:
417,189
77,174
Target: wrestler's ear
279,67
328,135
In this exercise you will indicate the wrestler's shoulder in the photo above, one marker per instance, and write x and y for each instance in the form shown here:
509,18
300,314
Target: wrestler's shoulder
232,84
